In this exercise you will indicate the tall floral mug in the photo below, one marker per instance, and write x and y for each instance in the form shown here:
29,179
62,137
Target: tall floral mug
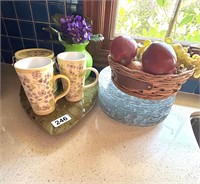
37,78
73,65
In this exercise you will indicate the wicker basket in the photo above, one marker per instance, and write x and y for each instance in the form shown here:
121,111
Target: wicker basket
144,85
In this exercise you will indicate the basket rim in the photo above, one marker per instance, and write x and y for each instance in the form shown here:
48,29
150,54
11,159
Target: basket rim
146,85
111,61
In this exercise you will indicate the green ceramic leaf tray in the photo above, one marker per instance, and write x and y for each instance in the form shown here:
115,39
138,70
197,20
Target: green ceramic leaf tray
76,110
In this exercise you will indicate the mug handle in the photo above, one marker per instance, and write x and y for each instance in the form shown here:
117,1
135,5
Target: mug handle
13,60
96,79
66,90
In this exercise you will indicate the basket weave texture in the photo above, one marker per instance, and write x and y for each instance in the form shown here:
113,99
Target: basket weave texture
160,86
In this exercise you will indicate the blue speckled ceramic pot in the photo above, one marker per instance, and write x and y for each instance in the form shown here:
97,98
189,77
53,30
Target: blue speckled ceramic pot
129,109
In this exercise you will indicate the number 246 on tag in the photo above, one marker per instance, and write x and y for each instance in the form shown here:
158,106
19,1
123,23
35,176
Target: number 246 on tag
61,120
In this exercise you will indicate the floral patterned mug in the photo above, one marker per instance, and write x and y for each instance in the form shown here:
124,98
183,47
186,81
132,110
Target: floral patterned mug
37,78
73,65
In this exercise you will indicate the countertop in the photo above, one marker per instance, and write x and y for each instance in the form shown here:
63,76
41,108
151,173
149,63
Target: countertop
98,149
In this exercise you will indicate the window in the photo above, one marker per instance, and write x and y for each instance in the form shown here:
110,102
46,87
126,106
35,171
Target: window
179,19
104,13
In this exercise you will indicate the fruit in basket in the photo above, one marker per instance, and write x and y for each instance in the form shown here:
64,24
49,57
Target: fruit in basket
135,65
141,48
196,64
186,60
159,58
123,49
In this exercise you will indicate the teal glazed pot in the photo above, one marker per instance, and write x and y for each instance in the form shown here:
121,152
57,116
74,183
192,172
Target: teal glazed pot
81,47
130,109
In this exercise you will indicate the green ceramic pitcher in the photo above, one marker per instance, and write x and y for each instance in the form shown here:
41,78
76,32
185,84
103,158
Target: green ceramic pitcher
81,47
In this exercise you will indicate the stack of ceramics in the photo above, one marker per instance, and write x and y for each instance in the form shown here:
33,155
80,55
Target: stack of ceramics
130,109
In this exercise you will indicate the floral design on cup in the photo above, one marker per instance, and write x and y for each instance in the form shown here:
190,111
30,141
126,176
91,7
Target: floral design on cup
42,84
75,79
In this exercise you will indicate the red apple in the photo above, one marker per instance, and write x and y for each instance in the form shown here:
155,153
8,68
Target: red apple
159,58
123,49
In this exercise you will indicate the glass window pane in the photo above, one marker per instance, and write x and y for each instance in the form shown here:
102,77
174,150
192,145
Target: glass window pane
187,24
151,19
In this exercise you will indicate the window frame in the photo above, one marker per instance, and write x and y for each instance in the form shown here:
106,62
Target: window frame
103,12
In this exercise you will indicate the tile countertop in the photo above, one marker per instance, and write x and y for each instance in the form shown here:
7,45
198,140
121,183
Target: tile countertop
98,149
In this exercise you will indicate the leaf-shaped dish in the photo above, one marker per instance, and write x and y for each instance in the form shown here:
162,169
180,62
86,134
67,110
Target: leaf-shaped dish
76,110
